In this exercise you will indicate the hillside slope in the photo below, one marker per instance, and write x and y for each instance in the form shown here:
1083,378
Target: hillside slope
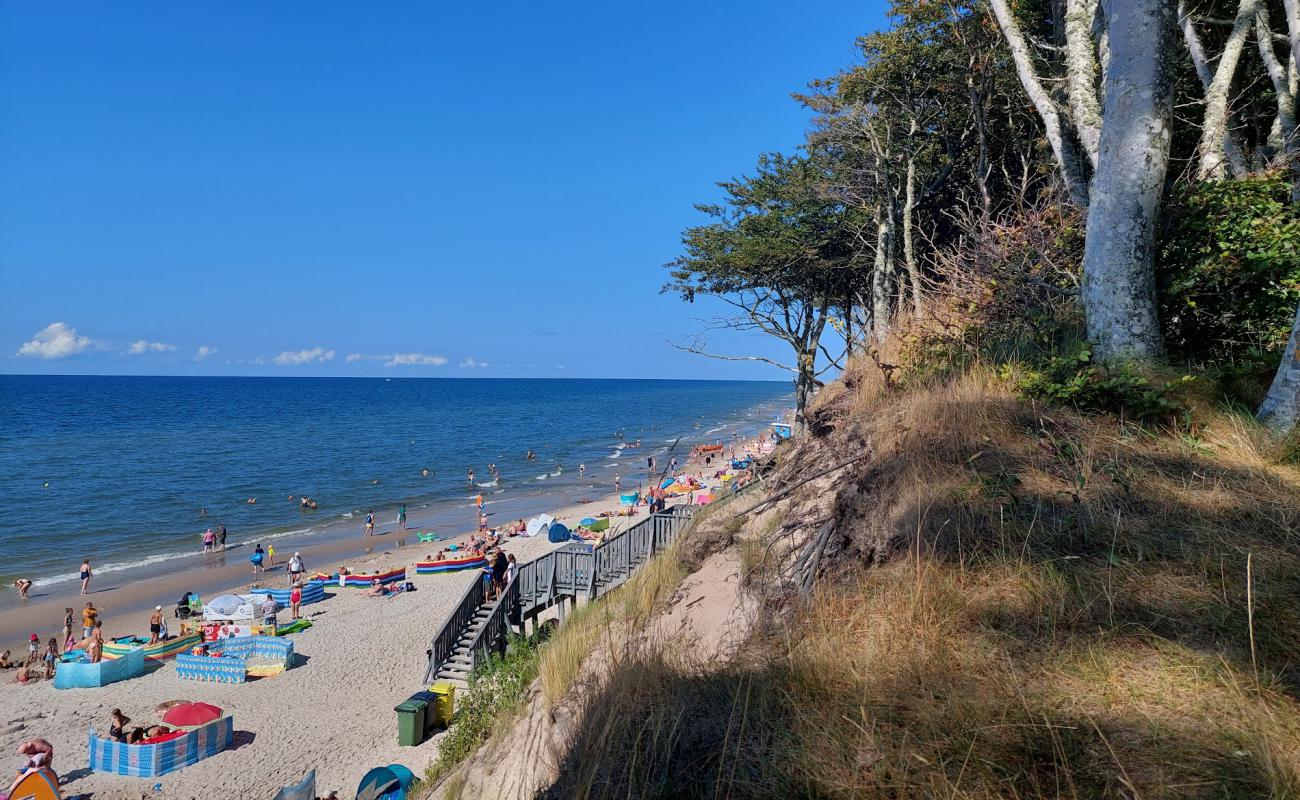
992,598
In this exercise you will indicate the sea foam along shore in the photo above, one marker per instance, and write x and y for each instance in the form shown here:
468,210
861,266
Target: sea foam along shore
333,713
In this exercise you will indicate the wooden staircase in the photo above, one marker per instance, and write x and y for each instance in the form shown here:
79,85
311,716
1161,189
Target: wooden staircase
456,670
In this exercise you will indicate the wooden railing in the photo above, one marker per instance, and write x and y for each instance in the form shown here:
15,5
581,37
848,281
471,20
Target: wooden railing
560,575
444,643
492,636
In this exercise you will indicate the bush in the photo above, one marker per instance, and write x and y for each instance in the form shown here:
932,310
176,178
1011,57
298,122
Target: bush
1229,270
495,692
1073,378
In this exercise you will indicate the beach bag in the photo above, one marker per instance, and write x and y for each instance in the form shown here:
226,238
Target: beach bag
410,586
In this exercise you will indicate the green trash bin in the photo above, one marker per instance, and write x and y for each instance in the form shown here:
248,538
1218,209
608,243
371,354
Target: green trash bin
411,721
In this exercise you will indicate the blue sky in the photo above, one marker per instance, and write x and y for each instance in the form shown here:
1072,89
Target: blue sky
413,189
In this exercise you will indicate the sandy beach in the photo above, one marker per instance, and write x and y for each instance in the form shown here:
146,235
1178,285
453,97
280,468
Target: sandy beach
333,712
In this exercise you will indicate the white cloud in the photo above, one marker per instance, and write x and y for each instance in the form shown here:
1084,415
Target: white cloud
203,352
140,347
56,340
413,360
473,362
295,358
353,357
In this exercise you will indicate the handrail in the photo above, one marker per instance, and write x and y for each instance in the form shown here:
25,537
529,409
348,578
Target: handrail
553,577
444,644
492,636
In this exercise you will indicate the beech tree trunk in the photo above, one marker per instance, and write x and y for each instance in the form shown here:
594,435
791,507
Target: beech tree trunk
1284,126
1058,138
1081,72
1280,410
1214,127
1293,29
880,275
909,246
1119,292
1231,148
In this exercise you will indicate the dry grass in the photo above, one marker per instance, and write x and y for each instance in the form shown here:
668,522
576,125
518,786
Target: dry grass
605,622
1058,608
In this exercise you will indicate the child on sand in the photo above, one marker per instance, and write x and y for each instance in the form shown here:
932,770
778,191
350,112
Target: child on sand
50,656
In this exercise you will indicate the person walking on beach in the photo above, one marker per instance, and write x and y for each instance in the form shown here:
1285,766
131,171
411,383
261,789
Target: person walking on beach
370,522
209,541
221,537
270,555
155,624
401,517
256,558
618,481
295,599
86,575
89,616
296,569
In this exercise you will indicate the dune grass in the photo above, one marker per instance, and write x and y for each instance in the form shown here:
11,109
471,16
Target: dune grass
1059,605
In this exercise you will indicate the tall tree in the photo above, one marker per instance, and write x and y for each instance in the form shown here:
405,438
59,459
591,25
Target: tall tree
1118,292
779,253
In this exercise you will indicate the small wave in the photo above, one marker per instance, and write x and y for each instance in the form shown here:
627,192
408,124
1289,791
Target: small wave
116,566
557,473
487,485
543,476
348,514
615,454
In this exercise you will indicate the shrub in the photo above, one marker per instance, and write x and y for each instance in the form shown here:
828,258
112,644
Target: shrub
495,691
1229,270
1074,379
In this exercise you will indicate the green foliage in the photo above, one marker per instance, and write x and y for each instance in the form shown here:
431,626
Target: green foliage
1229,269
1074,378
495,692
778,234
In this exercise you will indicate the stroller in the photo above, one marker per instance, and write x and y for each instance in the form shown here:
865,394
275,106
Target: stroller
188,606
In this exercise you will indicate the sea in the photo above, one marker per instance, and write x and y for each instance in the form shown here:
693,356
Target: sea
130,471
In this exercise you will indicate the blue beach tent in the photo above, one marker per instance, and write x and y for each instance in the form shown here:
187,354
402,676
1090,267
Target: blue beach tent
385,783
558,533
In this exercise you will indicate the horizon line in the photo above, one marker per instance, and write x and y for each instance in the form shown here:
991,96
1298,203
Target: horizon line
382,377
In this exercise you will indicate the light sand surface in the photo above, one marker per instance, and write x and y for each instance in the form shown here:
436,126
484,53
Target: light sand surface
333,712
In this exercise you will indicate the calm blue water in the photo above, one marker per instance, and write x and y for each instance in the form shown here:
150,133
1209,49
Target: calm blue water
130,461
